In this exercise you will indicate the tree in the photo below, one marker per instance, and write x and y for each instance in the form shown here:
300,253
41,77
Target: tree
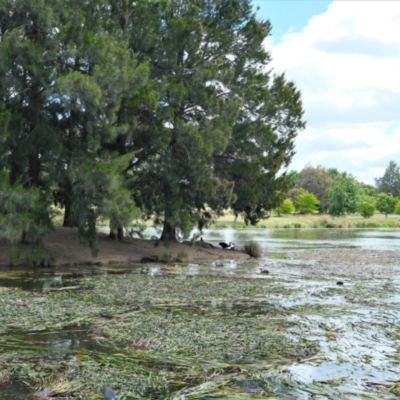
24,213
286,207
307,202
390,181
293,194
368,190
223,127
166,105
317,181
386,203
397,208
367,206
345,195
293,177
66,73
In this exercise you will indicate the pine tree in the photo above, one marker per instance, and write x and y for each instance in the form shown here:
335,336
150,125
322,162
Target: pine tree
67,72
223,129
390,181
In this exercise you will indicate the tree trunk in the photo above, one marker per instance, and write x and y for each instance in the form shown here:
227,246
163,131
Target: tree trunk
68,214
169,232
34,169
120,234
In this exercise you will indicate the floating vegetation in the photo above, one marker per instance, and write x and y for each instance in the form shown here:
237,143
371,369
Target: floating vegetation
149,336
221,331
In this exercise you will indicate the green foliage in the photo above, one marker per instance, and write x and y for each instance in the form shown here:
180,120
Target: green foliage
24,213
100,191
286,207
367,207
368,190
390,181
307,202
293,194
253,249
209,144
95,94
386,203
316,180
293,177
345,195
397,208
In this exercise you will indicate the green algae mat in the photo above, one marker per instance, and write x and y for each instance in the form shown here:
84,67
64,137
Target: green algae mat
183,333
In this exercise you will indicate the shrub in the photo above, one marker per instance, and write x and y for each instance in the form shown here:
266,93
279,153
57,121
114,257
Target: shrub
253,249
167,257
386,203
181,256
307,202
286,207
397,208
367,207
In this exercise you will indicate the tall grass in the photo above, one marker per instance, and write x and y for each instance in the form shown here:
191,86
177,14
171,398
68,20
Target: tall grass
253,249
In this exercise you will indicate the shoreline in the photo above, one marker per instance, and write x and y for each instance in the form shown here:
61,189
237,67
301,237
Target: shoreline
64,249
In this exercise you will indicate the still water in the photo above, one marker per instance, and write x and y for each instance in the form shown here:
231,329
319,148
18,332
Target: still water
277,239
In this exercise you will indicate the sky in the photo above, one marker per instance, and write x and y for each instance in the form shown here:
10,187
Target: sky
344,57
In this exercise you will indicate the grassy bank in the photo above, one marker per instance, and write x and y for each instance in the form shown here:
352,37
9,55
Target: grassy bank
285,221
314,221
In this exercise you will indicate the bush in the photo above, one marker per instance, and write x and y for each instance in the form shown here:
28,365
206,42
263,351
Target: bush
367,207
286,207
253,249
182,256
397,208
386,203
307,202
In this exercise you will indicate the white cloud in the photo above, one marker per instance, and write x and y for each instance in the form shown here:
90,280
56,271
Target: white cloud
346,62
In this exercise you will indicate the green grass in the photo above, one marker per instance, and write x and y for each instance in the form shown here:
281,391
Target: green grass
284,221
313,221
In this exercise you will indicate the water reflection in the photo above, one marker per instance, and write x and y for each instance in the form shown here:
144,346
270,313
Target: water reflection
56,341
14,390
278,239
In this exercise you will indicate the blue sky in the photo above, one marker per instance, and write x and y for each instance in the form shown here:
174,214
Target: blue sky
344,57
289,15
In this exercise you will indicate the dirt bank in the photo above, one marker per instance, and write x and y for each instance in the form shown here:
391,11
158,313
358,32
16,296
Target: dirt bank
64,245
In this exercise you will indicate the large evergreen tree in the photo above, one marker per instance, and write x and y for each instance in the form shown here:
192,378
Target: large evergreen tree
224,127
390,181
82,124
28,49
67,72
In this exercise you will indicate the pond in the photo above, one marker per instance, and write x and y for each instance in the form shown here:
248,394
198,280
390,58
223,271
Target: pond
317,317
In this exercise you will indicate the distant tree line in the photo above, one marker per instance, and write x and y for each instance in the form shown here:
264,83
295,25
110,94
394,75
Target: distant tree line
164,109
317,189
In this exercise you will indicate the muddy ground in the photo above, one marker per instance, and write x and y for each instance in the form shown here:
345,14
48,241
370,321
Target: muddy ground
66,249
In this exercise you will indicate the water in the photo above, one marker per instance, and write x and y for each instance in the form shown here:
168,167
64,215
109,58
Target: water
280,239
354,325
276,239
